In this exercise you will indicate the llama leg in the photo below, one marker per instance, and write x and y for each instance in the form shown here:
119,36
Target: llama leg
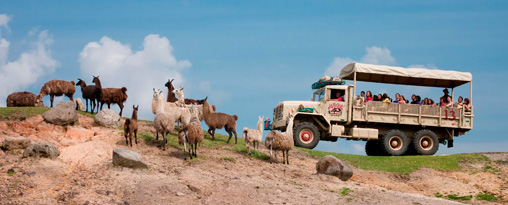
126,132
230,134
121,108
195,150
236,137
163,139
52,97
287,156
71,96
211,134
190,151
136,136
130,137
86,110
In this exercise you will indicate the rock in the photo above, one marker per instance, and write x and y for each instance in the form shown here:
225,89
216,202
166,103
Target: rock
180,193
30,173
108,118
79,104
64,113
41,149
127,158
194,189
332,166
11,143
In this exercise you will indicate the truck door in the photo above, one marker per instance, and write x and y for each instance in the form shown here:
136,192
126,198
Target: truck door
336,105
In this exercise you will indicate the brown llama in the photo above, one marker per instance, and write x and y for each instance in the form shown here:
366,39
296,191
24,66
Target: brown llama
131,126
172,97
57,88
217,120
114,95
91,92
23,99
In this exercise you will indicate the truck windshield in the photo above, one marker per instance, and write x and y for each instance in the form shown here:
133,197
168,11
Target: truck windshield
318,95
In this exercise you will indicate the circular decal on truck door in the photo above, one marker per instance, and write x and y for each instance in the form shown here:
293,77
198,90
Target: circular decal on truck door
335,110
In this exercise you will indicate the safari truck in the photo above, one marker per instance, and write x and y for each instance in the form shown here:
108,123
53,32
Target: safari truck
389,128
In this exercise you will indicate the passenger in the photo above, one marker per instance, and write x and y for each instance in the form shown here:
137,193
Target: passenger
418,100
339,96
445,96
432,103
379,97
386,98
459,103
449,102
362,94
397,98
402,100
369,96
425,101
442,102
375,98
413,99
467,105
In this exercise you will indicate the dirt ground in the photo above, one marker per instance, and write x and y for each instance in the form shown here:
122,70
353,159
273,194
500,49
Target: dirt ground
84,174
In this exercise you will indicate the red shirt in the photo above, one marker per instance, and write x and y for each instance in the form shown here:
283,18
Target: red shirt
368,99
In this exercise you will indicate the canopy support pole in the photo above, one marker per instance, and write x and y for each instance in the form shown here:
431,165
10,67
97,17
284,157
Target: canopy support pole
354,84
471,92
452,96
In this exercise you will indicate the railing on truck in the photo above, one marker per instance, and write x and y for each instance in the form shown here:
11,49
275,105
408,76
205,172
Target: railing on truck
413,114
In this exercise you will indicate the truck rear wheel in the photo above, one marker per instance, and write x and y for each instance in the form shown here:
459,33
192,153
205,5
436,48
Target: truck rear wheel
425,142
372,148
394,143
306,135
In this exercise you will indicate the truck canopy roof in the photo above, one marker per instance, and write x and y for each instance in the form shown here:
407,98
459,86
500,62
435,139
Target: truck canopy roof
405,76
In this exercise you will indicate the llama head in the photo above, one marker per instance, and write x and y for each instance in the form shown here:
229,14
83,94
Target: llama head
95,79
169,84
80,82
135,107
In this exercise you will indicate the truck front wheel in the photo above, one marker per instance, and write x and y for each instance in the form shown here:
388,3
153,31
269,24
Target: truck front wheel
394,143
425,142
306,135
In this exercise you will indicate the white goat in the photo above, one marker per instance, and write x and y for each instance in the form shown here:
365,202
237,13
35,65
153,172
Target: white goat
253,136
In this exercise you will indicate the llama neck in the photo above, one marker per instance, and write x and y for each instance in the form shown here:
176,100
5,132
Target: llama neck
42,93
260,125
171,95
206,109
98,83
289,129
82,85
134,114
160,104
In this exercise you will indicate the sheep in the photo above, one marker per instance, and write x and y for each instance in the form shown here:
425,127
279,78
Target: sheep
114,95
56,88
191,133
281,140
23,99
172,97
91,92
218,120
253,135
163,121
131,126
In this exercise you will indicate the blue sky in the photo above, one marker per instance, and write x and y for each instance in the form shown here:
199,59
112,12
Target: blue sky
249,55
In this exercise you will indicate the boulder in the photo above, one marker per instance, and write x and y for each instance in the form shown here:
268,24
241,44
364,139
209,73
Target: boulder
41,149
332,166
64,113
127,158
79,104
107,118
11,143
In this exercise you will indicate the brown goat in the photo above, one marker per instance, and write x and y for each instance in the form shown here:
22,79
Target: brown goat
114,95
219,120
23,99
57,88
172,97
131,126
91,92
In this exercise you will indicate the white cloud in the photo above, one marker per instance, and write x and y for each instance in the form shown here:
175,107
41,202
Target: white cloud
139,71
29,66
4,20
337,65
380,56
374,55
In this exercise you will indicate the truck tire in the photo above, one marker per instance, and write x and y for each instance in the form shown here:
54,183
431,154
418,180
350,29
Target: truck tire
306,135
425,142
372,148
394,143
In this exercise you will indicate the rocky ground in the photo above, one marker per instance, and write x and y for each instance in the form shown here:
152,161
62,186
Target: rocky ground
84,174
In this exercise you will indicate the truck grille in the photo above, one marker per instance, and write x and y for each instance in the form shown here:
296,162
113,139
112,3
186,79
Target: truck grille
278,113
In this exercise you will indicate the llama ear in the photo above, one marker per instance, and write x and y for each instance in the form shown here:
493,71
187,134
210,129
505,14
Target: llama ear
171,80
182,88
153,89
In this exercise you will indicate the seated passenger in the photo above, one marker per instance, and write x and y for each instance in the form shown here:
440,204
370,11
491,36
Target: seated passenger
442,102
449,102
418,100
397,98
375,98
338,97
432,103
459,103
362,94
402,100
385,98
467,105
425,101
369,96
